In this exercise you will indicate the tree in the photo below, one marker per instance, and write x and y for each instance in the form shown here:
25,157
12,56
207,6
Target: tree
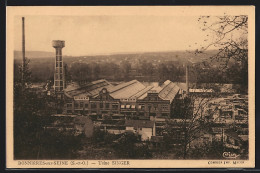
228,34
129,147
32,113
193,118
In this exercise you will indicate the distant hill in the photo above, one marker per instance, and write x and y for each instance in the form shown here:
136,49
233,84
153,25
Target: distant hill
34,54
181,56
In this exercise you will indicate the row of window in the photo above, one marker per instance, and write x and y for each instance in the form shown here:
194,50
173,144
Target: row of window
87,112
115,106
93,105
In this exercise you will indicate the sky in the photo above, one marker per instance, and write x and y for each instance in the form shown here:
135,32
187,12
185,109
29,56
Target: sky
93,35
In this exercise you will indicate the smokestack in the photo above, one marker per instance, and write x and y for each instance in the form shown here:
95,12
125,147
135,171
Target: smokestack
187,78
23,49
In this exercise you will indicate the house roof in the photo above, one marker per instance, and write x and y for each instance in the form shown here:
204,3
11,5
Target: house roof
139,123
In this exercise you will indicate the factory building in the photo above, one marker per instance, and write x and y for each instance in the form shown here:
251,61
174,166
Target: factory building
101,97
129,98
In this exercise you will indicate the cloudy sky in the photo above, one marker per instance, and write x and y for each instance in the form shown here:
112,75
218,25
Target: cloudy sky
89,35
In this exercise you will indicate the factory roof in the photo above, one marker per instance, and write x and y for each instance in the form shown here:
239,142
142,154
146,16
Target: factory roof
126,90
169,91
142,93
90,89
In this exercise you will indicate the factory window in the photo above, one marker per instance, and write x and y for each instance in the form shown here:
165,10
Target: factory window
81,104
61,77
57,64
61,83
115,106
141,106
165,107
86,105
60,64
107,105
155,107
76,105
101,105
56,83
93,105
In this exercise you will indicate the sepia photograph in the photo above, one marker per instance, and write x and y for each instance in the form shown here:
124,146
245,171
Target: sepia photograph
130,87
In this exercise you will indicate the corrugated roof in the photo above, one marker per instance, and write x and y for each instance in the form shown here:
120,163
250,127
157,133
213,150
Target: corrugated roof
142,92
90,89
126,90
165,83
71,86
169,91
139,123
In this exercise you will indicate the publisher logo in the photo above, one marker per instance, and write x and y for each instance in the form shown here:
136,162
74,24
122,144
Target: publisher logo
230,155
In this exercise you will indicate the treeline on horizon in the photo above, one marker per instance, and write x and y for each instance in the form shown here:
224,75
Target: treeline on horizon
142,70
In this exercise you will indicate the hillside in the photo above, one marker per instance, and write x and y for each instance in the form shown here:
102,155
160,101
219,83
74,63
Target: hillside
180,56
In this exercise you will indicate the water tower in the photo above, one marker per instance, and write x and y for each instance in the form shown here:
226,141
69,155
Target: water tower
59,77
